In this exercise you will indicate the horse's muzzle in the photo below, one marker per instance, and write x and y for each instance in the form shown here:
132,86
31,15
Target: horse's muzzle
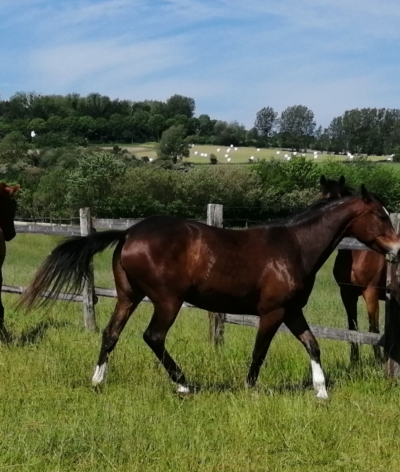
393,253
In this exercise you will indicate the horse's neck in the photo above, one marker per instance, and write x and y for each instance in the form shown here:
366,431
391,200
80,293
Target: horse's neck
319,236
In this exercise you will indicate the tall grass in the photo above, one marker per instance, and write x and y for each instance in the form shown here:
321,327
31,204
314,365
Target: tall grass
52,420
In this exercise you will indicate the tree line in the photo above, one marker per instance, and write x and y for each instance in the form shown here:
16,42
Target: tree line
96,119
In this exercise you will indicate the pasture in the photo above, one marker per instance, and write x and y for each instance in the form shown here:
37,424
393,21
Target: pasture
52,419
241,156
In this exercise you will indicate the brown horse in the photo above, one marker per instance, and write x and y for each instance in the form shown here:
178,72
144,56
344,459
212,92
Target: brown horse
357,273
266,271
8,207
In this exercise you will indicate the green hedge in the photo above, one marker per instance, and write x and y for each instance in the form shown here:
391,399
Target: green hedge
250,193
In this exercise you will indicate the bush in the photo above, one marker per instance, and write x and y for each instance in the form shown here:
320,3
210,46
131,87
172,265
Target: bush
396,152
213,159
382,180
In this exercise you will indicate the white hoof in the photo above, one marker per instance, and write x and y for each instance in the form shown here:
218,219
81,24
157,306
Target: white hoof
99,374
322,394
183,389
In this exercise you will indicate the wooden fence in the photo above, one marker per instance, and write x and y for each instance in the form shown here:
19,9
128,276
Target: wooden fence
390,340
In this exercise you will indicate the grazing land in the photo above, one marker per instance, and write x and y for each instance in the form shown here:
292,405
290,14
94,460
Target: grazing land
241,156
52,420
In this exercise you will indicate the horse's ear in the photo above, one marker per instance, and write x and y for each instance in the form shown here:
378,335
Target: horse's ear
322,180
365,194
342,180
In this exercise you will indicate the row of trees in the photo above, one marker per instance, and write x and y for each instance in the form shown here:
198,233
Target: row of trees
365,131
59,120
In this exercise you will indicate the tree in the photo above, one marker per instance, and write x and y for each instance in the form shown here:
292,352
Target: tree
266,121
297,126
180,105
156,125
172,144
94,180
205,126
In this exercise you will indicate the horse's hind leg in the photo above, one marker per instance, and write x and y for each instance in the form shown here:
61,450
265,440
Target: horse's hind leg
350,298
268,326
371,297
165,313
122,312
128,298
298,325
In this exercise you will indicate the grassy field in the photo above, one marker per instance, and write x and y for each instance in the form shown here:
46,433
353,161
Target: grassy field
240,156
52,420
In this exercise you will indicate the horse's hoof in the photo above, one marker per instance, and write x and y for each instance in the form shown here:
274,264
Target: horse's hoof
99,374
183,390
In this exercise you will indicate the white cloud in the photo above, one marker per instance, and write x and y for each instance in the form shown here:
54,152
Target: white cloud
103,62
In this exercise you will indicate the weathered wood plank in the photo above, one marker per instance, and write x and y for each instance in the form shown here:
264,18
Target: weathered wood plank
336,334
17,290
352,244
108,223
47,228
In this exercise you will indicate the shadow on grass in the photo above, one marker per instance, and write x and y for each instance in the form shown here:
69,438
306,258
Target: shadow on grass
264,389
33,335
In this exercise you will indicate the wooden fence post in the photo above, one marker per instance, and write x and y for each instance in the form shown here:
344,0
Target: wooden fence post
217,320
89,318
392,314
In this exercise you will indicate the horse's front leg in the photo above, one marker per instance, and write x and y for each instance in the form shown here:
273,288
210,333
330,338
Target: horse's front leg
295,321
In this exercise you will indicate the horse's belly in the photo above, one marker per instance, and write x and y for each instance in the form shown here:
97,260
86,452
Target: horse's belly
224,303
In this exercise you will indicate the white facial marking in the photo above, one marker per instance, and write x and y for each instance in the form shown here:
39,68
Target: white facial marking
386,211
99,374
183,389
318,380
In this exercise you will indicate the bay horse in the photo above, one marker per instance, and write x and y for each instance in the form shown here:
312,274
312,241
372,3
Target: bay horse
266,271
8,207
357,273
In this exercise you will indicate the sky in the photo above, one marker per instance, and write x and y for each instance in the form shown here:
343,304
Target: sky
233,57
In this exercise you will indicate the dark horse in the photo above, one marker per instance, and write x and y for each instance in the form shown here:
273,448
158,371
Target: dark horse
357,273
266,271
8,207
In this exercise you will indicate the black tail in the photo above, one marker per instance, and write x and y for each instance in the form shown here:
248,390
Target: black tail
67,267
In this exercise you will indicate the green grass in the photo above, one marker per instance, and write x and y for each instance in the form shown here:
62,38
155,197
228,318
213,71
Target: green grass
52,420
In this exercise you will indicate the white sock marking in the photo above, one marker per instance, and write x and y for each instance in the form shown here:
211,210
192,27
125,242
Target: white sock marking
318,380
182,389
99,374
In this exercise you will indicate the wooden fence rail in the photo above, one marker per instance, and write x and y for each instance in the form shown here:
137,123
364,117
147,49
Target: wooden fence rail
390,340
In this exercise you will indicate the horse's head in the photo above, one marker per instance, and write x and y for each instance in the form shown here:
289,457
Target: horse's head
8,207
373,227
334,188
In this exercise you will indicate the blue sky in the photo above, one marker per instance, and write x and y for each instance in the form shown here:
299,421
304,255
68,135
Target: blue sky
232,56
